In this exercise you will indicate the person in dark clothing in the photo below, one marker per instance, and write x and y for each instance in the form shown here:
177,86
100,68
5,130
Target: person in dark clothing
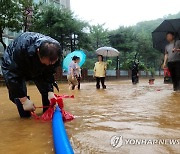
172,58
78,73
135,70
31,56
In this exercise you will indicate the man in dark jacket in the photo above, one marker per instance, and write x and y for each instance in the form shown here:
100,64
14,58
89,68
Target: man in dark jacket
31,56
135,70
135,76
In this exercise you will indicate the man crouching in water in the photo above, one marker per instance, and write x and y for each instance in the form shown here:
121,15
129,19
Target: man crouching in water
31,56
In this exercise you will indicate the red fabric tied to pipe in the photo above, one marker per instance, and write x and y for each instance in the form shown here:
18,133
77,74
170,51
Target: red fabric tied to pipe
66,116
64,96
60,103
35,116
48,114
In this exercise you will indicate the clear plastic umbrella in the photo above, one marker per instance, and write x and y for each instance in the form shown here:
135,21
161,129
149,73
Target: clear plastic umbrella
107,52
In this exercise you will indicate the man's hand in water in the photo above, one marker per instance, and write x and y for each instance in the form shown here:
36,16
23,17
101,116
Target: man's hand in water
51,96
27,104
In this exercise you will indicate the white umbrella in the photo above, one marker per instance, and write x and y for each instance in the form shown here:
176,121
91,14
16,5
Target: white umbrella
107,52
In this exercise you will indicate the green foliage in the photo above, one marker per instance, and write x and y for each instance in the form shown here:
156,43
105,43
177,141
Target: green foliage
9,17
152,71
109,62
98,36
90,61
127,64
151,57
123,39
89,64
61,25
12,15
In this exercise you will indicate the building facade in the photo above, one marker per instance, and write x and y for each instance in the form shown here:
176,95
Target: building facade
57,3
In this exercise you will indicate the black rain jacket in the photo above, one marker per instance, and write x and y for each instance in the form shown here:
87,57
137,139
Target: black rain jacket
21,63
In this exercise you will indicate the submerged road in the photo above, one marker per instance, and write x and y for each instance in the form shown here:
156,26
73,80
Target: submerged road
143,118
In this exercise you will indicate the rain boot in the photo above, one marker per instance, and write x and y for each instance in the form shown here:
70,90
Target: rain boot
97,86
104,86
175,86
22,113
73,87
178,86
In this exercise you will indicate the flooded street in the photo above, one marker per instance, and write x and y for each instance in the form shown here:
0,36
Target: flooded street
131,111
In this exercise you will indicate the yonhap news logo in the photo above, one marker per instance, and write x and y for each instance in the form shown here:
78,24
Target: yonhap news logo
117,141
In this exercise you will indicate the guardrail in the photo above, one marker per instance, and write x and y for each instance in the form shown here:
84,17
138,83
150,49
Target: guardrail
87,75
110,74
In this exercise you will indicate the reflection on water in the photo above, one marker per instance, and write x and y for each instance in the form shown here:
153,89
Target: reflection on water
137,112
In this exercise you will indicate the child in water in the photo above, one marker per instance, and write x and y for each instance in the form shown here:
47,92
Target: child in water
100,72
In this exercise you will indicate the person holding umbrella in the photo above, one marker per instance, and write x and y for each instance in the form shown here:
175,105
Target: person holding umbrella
166,36
172,58
73,73
100,72
100,66
73,63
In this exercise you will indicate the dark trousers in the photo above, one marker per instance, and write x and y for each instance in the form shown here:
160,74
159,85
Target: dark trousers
42,87
174,68
102,80
135,78
79,82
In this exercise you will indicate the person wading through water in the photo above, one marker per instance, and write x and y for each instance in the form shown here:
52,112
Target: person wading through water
100,72
172,59
135,70
73,73
31,56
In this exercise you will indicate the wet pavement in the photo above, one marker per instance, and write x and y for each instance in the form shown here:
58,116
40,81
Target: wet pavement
135,112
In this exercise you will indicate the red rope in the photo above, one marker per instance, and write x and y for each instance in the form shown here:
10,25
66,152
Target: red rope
40,107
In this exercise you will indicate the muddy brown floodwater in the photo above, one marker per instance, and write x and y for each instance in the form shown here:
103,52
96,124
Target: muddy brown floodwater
135,112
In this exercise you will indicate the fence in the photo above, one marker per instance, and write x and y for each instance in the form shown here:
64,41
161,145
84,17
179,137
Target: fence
87,75
110,74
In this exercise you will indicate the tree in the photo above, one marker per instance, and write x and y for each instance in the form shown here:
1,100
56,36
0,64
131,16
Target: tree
138,38
125,41
9,17
99,36
62,26
12,15
28,9
131,57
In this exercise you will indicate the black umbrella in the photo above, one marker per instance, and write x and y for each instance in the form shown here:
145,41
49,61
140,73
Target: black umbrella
159,34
